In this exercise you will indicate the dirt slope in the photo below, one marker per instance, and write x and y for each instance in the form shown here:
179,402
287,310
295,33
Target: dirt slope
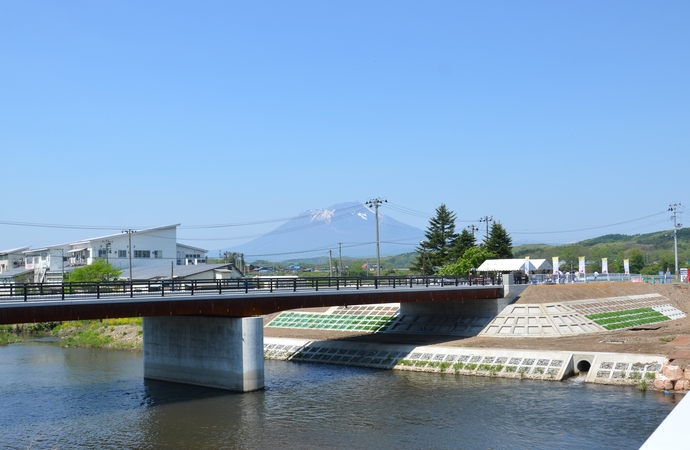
647,341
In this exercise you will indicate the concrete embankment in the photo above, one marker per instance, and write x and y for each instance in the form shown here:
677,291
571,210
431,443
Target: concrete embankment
538,332
603,368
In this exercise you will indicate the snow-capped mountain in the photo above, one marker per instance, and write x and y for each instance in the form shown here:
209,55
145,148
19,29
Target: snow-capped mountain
347,227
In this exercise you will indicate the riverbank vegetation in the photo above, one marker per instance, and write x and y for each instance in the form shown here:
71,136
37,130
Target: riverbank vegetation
7,336
122,334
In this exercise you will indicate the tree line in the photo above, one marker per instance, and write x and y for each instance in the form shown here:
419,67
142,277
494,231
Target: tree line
648,254
445,252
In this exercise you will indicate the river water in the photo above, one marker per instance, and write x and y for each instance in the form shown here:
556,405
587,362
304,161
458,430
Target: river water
74,398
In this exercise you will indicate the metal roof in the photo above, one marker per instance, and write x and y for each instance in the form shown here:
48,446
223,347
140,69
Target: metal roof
163,272
13,250
15,272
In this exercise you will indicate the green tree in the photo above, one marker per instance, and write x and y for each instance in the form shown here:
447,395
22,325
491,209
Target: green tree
440,236
357,268
464,242
636,257
99,270
499,242
569,257
471,259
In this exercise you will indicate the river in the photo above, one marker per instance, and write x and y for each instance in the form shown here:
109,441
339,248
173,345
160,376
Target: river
75,398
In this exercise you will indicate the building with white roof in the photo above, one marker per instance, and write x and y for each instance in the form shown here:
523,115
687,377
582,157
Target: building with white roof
150,247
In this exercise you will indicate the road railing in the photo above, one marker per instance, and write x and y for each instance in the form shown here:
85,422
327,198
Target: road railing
161,288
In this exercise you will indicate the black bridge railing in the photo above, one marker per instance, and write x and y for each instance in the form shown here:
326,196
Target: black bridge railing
161,288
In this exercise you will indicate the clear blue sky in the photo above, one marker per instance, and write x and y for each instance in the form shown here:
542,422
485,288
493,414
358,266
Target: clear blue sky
557,118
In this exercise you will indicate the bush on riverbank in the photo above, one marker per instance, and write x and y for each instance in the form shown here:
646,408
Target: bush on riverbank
7,336
122,334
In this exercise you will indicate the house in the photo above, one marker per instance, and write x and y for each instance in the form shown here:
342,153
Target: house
151,247
12,269
186,272
11,259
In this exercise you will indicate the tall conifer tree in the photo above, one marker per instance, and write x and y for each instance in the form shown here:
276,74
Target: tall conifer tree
499,242
440,239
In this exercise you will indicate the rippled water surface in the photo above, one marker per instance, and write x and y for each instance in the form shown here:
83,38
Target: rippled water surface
52,397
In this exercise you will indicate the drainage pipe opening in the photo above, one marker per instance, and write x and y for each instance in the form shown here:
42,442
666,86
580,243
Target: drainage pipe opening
583,366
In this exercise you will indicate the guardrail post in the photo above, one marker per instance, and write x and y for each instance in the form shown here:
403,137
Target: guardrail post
163,287
131,289
294,285
316,283
220,287
26,292
98,290
337,284
63,290
376,283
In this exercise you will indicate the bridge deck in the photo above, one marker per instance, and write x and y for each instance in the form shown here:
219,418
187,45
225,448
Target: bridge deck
229,304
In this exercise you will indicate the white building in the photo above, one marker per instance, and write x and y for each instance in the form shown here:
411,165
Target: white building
151,247
12,259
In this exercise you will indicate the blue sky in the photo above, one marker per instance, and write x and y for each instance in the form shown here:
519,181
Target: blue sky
562,120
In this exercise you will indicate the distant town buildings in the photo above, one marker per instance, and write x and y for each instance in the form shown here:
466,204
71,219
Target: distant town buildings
151,253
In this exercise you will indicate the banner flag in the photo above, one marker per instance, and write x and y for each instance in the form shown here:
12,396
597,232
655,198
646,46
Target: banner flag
626,264
526,264
604,266
554,261
582,264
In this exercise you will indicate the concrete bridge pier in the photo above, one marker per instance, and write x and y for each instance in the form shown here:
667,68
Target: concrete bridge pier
217,352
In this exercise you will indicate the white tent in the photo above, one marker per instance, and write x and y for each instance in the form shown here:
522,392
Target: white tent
513,265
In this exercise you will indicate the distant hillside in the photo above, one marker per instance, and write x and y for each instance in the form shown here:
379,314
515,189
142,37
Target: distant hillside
657,250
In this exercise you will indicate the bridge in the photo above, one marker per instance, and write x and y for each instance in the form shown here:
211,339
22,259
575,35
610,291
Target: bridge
210,332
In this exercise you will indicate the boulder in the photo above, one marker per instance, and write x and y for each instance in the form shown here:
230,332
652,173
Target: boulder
673,372
660,381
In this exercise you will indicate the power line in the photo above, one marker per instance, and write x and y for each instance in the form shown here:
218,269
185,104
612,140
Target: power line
339,216
589,228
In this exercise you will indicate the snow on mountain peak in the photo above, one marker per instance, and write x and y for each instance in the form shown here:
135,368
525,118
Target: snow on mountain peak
323,215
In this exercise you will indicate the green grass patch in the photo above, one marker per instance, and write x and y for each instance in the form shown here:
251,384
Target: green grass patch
331,322
8,337
86,338
629,318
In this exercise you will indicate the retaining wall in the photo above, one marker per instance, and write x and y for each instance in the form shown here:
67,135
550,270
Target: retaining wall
603,368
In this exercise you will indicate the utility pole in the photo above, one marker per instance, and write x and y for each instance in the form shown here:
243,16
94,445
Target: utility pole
375,203
129,235
330,263
340,257
486,219
62,260
107,249
673,207
473,229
